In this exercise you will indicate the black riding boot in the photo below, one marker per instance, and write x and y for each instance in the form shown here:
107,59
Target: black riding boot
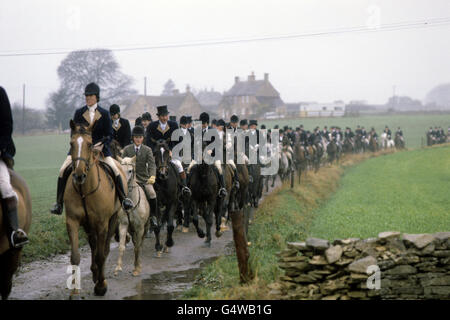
58,206
235,178
17,237
222,190
153,216
127,204
185,189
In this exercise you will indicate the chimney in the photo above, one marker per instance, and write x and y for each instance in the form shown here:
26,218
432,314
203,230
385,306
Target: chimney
236,79
266,77
188,88
251,77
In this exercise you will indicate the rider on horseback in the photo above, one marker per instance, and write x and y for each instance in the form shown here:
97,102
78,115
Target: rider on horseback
162,130
145,168
16,236
99,120
204,118
350,135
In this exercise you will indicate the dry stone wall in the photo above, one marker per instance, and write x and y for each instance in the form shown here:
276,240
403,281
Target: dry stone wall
391,266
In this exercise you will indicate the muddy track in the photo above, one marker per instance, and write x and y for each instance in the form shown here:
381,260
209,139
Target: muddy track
161,278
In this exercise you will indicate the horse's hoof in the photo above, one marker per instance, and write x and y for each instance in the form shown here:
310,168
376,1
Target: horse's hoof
185,230
158,254
166,250
117,270
224,228
207,244
201,234
219,233
179,228
169,243
100,290
136,272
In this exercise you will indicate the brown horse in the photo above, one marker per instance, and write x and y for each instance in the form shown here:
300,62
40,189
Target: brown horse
10,258
300,159
91,201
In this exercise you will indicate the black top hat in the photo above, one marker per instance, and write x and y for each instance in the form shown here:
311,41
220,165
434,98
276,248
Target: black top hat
263,126
214,122
162,111
234,118
189,119
204,117
173,118
183,120
114,109
276,126
243,122
137,131
147,116
253,122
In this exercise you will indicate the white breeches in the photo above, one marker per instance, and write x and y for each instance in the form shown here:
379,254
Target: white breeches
177,163
217,164
6,188
150,190
65,164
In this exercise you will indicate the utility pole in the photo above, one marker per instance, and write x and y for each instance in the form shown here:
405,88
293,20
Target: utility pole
145,86
23,110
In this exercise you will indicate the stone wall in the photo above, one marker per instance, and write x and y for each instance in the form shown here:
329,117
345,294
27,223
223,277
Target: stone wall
408,266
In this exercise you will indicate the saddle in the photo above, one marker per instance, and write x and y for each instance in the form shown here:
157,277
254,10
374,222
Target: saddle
109,172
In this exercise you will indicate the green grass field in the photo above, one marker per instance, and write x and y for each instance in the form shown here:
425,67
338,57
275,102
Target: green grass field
413,126
38,159
406,191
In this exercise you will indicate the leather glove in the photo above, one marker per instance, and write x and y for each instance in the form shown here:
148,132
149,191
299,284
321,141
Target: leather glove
151,180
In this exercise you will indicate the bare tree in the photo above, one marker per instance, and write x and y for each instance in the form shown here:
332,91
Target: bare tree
169,87
77,70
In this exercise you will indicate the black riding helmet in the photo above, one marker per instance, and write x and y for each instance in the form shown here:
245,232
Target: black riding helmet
92,89
114,109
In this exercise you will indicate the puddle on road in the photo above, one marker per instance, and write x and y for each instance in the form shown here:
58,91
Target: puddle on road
168,285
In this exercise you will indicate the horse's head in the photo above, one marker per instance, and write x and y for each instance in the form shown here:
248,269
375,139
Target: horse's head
129,167
162,159
116,149
81,151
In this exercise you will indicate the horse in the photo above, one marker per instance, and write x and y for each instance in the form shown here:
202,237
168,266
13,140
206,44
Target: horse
318,154
283,169
373,144
332,151
92,202
255,187
360,145
135,220
300,159
116,149
10,257
399,142
204,186
386,142
167,193
348,146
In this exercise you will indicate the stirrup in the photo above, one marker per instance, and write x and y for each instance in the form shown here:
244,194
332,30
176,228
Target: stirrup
222,192
20,244
186,190
57,209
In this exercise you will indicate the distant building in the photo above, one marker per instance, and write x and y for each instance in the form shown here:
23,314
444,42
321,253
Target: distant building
251,99
209,100
178,104
315,109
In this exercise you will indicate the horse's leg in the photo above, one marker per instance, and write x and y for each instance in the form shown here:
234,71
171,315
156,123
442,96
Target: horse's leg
179,216
72,229
100,258
170,227
194,208
9,262
138,237
219,212
208,213
123,228
187,215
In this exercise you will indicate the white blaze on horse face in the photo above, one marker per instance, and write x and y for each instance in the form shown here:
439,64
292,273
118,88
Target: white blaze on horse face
162,154
80,143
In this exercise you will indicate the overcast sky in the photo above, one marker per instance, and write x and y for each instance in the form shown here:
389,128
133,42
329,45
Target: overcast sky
350,66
